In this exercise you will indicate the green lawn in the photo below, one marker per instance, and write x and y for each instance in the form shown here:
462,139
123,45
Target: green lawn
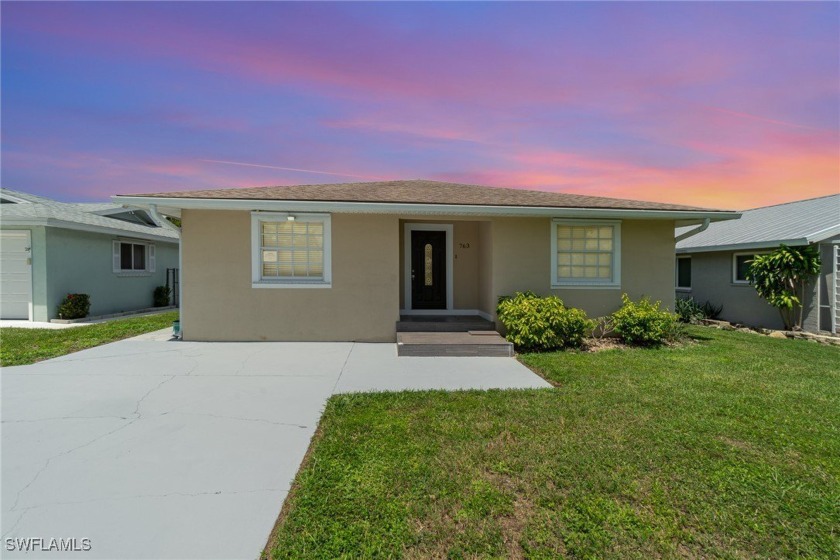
728,447
26,346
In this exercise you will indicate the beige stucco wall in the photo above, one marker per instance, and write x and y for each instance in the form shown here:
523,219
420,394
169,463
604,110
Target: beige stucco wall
504,255
219,303
521,261
486,293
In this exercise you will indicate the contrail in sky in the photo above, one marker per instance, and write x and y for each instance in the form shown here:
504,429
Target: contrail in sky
758,118
288,168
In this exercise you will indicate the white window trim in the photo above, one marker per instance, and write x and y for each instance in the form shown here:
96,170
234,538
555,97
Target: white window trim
150,258
450,261
588,283
257,281
677,276
734,268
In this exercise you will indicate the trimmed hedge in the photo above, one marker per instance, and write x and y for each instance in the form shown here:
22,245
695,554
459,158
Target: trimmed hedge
642,323
161,296
74,306
536,323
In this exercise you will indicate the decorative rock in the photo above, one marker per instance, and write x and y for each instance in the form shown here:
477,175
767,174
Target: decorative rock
777,334
824,339
725,325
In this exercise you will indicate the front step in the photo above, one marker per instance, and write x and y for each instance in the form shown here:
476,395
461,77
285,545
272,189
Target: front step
472,343
444,323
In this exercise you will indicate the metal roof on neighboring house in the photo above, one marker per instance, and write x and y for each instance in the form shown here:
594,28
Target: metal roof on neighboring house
793,223
30,209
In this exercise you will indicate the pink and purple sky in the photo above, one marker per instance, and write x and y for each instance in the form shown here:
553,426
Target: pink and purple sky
729,105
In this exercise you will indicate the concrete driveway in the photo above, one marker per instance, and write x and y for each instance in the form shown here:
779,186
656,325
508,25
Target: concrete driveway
155,449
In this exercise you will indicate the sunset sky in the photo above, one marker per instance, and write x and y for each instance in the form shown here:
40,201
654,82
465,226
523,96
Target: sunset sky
729,105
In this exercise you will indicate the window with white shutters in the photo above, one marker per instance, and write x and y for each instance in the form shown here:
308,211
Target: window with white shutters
132,256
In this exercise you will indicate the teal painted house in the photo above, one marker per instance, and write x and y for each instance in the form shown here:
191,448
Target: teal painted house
49,249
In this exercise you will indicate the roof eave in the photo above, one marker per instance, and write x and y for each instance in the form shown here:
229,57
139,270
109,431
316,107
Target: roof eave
119,232
744,246
416,209
824,234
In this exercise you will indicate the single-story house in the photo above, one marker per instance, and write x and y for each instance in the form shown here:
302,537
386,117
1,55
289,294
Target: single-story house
343,262
50,248
712,265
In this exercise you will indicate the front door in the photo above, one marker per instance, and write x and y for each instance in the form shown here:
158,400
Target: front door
428,269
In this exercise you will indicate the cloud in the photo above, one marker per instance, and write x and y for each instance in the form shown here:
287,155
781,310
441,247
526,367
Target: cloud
757,118
719,104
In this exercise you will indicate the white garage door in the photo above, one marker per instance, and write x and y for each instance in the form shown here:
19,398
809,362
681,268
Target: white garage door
15,275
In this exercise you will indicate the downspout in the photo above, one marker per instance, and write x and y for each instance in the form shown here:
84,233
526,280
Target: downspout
695,231
164,223
161,221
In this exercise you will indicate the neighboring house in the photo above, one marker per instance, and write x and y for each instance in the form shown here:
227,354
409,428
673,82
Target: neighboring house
345,261
712,265
50,248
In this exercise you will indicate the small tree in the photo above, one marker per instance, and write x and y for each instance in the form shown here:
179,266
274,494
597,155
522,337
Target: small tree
781,278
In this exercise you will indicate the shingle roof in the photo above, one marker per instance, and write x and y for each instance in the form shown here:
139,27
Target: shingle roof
98,206
39,208
423,192
803,221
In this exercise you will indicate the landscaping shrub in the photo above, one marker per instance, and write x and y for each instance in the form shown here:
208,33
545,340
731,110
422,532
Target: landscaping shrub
542,323
643,323
161,296
688,310
782,277
604,327
74,306
711,311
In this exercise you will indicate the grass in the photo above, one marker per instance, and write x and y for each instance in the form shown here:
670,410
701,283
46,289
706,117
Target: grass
725,448
26,346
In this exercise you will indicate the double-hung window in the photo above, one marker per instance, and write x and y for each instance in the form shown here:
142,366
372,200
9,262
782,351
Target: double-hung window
586,253
683,273
133,257
290,250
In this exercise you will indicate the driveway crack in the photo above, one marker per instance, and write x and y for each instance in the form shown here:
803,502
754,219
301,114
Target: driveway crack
63,359
225,417
144,496
343,366
64,418
94,440
17,522
149,392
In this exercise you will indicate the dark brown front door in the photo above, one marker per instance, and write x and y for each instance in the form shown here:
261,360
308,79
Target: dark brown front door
428,269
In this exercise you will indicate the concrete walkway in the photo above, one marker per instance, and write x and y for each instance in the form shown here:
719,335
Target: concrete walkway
157,449
25,324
